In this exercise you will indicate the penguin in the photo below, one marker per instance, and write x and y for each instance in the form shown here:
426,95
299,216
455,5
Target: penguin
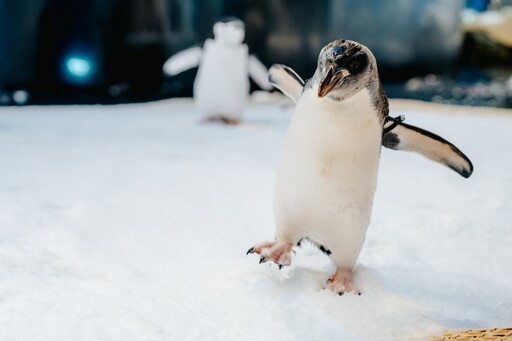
222,84
327,174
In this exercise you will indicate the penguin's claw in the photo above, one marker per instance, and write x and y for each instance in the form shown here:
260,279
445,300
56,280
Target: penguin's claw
259,248
277,251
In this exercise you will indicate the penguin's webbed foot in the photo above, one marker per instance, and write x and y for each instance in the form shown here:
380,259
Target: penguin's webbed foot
342,282
277,251
225,119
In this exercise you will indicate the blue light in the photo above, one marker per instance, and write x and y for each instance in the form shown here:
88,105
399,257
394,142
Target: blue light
79,67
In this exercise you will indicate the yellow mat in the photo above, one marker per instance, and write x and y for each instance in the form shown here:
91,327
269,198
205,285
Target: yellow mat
501,334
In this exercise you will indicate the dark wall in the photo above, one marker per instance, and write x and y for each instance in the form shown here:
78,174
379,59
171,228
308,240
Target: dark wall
19,22
127,41
69,28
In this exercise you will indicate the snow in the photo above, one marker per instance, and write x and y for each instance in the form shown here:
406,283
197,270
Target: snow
131,222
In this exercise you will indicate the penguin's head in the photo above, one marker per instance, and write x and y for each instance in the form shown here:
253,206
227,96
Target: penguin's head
344,68
229,31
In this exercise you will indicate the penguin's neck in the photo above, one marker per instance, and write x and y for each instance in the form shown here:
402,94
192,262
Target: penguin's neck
344,136
354,108
338,124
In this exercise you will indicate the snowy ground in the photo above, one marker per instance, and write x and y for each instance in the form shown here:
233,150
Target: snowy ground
132,223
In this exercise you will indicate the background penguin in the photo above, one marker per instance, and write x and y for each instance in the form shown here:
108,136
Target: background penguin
222,84
327,175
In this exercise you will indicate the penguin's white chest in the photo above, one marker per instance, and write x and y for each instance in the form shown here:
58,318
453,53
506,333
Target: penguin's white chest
328,172
222,82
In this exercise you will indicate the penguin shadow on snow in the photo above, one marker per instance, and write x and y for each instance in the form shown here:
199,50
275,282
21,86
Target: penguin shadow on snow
310,269
251,123
300,288
444,296
431,301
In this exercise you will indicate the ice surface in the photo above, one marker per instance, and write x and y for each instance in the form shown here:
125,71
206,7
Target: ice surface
132,222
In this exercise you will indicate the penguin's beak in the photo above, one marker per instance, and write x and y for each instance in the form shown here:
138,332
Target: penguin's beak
330,80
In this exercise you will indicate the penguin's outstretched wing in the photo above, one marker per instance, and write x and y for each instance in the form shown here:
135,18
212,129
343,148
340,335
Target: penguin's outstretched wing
286,80
183,60
259,73
401,136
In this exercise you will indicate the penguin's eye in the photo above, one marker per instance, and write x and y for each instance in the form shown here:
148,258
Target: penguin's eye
354,66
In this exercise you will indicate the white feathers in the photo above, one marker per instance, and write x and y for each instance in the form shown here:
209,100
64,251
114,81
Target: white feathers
229,33
221,86
431,146
259,73
183,61
327,174
287,81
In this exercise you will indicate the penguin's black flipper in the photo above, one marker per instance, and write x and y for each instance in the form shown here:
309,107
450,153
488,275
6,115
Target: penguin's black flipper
401,136
286,80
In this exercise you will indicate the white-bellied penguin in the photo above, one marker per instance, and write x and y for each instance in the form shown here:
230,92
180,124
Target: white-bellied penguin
327,174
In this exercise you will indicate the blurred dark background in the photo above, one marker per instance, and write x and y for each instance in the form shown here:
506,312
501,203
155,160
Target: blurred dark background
112,51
